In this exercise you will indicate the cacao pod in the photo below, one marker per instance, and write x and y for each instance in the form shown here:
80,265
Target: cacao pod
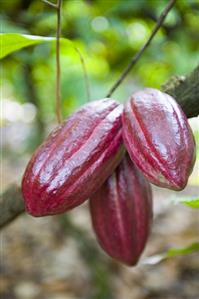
121,213
74,160
158,138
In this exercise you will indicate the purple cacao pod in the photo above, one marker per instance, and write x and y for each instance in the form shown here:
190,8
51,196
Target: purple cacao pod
158,138
74,160
121,213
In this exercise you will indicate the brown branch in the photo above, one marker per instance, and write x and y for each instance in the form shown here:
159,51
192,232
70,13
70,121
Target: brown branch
11,202
11,205
186,91
143,48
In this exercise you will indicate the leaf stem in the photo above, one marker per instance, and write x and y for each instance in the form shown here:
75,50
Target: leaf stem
58,68
87,87
50,3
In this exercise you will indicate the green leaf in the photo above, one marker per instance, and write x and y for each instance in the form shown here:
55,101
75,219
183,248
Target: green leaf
181,251
11,42
191,202
155,259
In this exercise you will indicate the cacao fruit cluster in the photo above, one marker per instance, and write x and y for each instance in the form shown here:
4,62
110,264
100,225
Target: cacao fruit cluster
85,158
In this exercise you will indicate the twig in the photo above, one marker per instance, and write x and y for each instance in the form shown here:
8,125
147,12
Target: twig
58,69
85,73
58,93
50,3
143,48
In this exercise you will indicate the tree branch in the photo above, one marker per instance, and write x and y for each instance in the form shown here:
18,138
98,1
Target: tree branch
143,48
186,91
11,205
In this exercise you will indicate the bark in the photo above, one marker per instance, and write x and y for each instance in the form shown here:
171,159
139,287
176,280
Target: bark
184,89
11,205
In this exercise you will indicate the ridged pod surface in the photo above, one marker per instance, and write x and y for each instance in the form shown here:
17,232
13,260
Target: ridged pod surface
75,159
158,138
121,212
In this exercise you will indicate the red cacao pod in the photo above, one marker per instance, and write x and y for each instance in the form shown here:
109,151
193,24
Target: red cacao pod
74,160
158,138
121,212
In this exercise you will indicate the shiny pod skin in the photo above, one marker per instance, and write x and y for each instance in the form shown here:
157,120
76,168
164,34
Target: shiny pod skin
75,160
158,138
121,213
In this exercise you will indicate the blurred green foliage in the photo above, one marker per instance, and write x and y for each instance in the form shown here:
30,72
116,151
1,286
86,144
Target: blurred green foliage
190,202
172,252
108,34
